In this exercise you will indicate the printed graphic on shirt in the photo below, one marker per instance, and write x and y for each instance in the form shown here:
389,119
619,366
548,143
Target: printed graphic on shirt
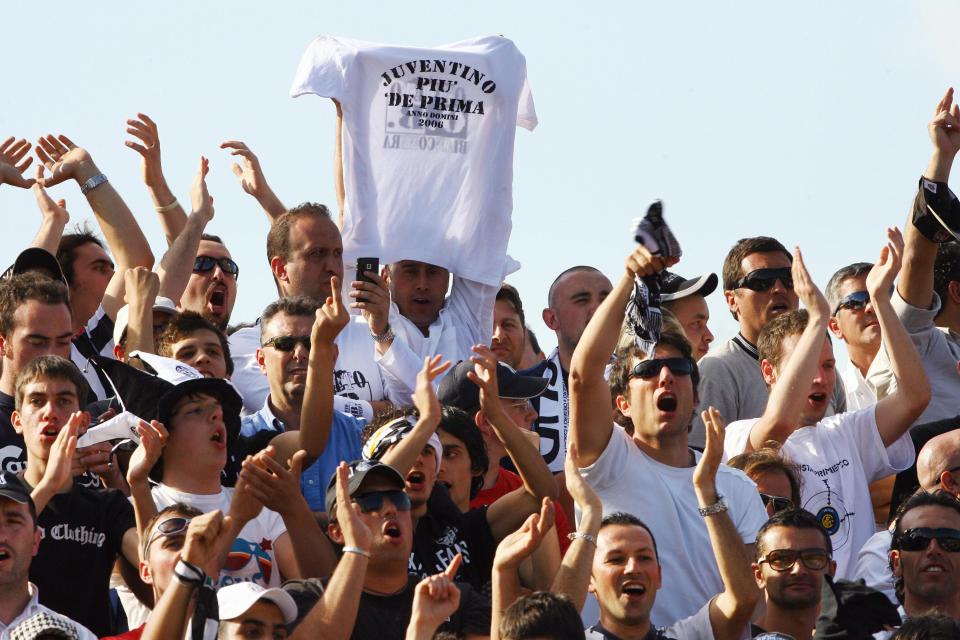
248,562
828,506
429,104
352,384
448,544
81,535
13,459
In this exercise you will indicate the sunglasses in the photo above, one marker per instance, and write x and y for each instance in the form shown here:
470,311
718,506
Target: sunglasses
779,503
764,279
784,559
855,301
203,264
166,528
919,539
287,344
373,500
652,368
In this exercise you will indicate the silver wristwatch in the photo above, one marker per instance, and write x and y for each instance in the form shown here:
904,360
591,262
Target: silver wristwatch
92,183
717,507
386,336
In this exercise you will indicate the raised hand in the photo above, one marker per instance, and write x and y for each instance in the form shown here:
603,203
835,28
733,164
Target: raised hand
885,270
12,151
373,300
581,492
642,263
435,599
153,436
272,484
705,473
332,316
140,283
484,375
424,396
250,174
145,129
59,468
520,544
200,199
64,160
355,532
944,128
50,210
810,296
244,506
200,544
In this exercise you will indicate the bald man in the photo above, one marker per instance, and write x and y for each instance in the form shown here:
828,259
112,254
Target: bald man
938,467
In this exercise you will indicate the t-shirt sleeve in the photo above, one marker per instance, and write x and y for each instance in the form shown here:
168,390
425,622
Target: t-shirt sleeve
472,303
696,627
857,434
606,469
120,516
745,506
736,438
322,69
918,322
526,112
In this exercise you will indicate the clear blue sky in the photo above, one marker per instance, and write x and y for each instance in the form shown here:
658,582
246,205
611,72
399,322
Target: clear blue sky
805,122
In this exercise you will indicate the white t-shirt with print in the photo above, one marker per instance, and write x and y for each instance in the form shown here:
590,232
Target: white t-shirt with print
838,459
357,378
628,480
450,112
252,557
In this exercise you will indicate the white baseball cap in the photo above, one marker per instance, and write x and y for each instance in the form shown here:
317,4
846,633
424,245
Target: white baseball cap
123,316
234,600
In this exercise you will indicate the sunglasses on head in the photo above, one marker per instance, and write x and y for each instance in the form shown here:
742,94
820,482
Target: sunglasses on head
764,279
287,344
784,559
651,368
203,264
919,538
779,503
373,500
166,528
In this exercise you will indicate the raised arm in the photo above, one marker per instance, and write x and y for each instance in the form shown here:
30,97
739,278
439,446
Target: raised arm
435,599
590,421
177,263
897,411
140,293
153,436
335,614
785,405
731,609
916,281
12,163
55,217
172,216
338,164
253,181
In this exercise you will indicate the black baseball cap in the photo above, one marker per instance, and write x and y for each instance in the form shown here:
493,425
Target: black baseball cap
36,259
674,287
360,470
457,390
230,401
13,488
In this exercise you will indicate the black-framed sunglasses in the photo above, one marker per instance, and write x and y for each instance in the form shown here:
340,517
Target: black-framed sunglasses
784,559
287,344
203,264
764,279
918,539
651,368
166,528
855,301
779,503
373,500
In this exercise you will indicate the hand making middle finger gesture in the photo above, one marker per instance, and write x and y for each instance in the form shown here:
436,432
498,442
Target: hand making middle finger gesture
332,316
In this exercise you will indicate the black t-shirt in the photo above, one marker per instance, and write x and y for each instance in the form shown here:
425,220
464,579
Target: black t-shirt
13,452
82,532
443,532
387,617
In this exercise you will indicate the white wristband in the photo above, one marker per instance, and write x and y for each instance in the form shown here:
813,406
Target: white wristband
357,550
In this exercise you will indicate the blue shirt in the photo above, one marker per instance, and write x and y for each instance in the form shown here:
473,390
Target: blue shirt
343,444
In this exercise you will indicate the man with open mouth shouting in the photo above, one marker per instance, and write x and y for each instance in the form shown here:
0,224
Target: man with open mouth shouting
838,456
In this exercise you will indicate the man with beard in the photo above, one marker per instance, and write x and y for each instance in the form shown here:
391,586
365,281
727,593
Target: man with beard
840,455
758,287
793,555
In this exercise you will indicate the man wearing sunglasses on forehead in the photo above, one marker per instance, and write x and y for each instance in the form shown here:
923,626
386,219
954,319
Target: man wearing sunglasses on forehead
925,554
758,287
793,555
838,456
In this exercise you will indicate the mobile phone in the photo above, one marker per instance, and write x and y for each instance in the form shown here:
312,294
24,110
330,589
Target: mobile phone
367,264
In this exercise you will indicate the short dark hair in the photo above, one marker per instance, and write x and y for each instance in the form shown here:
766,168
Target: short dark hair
732,270
278,238
542,614
69,243
946,269
843,274
917,499
211,238
509,294
461,426
622,367
19,289
553,285
928,626
291,306
178,508
185,324
629,520
50,368
767,459
795,518
534,343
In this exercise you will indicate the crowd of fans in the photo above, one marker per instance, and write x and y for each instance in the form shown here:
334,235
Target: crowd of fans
409,470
